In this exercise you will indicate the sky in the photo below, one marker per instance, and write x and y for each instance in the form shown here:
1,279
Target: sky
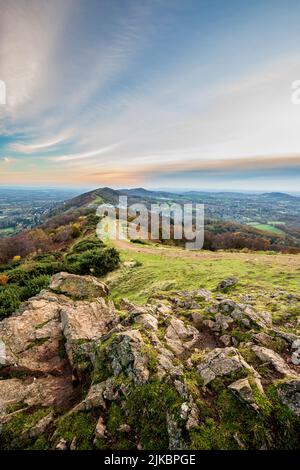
153,93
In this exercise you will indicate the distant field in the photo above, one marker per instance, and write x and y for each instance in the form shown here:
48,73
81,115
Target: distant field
6,231
267,227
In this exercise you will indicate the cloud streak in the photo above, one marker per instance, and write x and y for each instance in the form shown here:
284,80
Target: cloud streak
109,91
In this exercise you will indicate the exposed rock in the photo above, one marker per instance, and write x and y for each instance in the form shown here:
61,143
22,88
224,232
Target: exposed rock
86,321
181,338
296,357
165,366
296,344
226,283
222,322
62,445
78,287
262,338
289,337
202,294
243,390
41,426
31,336
132,308
289,394
130,264
163,310
100,430
270,356
125,355
73,444
197,319
124,428
11,391
93,399
296,352
222,362
245,314
226,340
227,306
174,433
149,322
52,335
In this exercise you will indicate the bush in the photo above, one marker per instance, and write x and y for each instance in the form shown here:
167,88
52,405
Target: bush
9,300
19,283
34,286
87,245
96,262
22,276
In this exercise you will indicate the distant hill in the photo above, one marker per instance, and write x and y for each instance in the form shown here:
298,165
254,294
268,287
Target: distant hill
278,195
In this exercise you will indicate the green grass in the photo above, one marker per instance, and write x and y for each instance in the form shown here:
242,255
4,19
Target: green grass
157,272
7,231
267,227
276,222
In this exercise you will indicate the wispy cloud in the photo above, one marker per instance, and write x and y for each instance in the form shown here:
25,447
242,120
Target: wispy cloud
129,89
81,156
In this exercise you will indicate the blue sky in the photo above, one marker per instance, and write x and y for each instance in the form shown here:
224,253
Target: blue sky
160,93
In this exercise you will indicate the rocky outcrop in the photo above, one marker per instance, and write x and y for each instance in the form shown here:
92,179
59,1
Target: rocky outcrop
107,377
45,337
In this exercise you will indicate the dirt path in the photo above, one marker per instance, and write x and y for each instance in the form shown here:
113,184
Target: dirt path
292,261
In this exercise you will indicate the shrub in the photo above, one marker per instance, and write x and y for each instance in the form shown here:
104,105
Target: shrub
9,300
96,262
34,286
87,245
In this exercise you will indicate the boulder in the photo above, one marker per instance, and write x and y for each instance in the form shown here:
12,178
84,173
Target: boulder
78,287
226,283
